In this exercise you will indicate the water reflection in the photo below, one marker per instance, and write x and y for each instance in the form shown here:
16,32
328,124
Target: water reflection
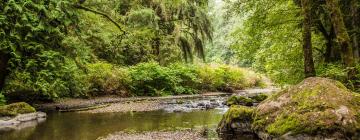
81,126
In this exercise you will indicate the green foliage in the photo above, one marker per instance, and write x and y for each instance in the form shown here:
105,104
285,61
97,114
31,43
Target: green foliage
15,109
153,30
143,18
227,78
32,33
106,79
150,79
333,71
57,49
61,78
187,78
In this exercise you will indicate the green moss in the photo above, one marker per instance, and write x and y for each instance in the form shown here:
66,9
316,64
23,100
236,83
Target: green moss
305,123
239,100
340,85
260,97
239,113
246,101
284,124
231,101
309,108
15,109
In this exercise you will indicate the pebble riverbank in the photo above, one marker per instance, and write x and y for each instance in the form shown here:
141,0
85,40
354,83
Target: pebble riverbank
167,135
139,104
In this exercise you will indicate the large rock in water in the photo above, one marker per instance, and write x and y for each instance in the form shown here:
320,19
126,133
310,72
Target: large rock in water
19,115
317,108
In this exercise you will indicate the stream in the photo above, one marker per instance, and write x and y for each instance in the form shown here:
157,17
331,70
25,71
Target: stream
89,126
85,126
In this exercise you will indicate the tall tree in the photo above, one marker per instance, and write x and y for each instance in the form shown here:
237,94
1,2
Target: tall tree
342,36
355,26
307,45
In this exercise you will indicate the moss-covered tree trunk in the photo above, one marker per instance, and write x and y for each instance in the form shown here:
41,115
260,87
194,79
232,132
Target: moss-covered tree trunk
307,46
4,59
355,27
342,36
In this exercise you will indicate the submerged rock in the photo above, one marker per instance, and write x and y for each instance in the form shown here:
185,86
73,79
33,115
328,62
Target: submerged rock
317,108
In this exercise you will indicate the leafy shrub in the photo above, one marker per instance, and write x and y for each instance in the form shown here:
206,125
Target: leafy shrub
102,78
227,78
333,71
187,78
207,77
151,79
105,78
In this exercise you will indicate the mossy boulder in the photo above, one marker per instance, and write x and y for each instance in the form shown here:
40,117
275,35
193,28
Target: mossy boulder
239,100
237,119
15,109
246,101
315,108
259,97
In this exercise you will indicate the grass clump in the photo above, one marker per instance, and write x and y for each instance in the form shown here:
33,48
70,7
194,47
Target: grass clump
15,109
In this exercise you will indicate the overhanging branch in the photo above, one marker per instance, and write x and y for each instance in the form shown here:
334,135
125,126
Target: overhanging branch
78,6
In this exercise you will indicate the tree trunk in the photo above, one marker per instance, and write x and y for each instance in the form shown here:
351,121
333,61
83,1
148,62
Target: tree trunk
342,36
307,45
4,59
355,25
329,54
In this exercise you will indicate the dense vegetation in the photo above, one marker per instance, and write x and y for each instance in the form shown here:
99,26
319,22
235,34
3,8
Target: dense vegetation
275,37
68,48
80,48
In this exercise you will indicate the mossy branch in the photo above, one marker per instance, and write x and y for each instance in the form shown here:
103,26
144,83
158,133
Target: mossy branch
78,6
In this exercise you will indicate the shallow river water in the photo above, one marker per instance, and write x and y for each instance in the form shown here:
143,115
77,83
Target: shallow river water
84,126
